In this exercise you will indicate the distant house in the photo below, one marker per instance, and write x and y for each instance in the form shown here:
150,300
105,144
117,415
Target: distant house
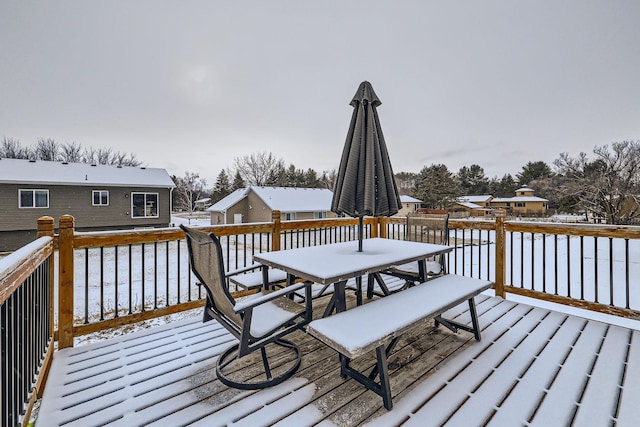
256,204
524,203
100,197
474,205
409,205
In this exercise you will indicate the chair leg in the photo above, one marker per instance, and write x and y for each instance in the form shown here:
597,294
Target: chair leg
231,354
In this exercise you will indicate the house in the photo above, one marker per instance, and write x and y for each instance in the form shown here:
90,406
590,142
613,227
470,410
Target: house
100,197
256,204
474,205
524,203
409,205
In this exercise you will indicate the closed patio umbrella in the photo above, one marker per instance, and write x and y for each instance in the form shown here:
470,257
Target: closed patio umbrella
365,183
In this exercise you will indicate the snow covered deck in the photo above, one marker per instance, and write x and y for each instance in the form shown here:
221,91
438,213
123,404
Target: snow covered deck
533,367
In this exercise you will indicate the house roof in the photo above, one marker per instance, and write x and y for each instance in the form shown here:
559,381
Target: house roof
409,199
227,202
519,199
524,189
284,199
20,171
475,199
470,205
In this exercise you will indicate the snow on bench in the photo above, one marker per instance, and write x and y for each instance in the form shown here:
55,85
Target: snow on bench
380,323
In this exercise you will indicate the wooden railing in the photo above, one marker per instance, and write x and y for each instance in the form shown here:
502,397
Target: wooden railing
26,325
108,279
596,267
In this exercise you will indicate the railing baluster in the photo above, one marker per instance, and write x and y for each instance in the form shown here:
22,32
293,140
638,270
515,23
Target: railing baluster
142,275
626,271
86,285
533,256
115,279
166,267
130,280
611,271
582,267
555,264
569,266
595,266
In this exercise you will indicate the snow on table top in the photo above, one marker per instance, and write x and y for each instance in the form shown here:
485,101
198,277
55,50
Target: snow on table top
330,263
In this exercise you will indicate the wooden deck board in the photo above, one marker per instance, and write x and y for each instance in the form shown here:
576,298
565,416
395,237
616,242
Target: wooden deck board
532,367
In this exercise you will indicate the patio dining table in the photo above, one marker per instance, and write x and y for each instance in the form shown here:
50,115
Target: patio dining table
336,263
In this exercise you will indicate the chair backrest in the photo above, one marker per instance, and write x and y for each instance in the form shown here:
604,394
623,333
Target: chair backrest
205,258
428,228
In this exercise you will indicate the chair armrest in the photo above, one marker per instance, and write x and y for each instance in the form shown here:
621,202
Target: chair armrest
242,270
253,302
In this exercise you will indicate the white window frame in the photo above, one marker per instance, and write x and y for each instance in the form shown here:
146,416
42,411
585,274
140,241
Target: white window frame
145,216
319,215
33,198
93,197
290,216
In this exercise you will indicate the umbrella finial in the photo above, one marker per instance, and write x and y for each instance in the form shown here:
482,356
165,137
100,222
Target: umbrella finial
365,92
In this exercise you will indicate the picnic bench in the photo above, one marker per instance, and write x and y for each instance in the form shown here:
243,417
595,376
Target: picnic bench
379,324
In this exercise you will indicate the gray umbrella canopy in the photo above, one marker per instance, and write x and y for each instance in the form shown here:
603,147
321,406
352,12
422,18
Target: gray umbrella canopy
365,185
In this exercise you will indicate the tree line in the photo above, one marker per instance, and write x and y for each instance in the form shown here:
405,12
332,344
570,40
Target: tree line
49,149
606,184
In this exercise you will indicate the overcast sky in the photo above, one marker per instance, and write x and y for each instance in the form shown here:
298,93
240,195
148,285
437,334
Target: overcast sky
191,85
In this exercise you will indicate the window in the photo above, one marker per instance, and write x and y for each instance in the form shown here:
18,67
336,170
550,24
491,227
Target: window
33,198
290,216
100,198
319,215
519,204
144,205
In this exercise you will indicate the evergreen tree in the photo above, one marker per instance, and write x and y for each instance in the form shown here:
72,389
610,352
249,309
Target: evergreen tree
437,187
222,187
472,180
238,182
532,171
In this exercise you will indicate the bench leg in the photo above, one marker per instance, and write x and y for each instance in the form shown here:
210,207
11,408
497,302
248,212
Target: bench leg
454,326
383,371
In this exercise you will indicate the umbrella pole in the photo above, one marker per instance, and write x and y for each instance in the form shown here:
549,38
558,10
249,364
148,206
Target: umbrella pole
359,234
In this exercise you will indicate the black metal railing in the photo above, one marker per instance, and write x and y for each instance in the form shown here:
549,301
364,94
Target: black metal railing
25,325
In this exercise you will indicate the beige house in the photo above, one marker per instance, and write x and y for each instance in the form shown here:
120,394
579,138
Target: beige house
524,203
409,205
256,204
474,205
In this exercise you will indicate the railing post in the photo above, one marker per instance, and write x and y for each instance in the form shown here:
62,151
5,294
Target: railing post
277,230
379,228
501,254
46,227
65,280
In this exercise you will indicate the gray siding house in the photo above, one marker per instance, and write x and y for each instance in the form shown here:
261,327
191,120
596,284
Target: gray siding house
100,197
256,204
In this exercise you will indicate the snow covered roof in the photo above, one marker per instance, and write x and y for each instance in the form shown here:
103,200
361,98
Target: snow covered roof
409,199
20,171
230,200
290,199
520,199
284,199
524,189
475,199
470,205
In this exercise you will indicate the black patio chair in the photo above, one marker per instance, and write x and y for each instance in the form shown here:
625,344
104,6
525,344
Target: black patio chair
258,321
428,228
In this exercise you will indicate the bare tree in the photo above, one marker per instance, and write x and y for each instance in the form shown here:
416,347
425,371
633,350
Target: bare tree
608,186
260,169
47,149
189,189
10,148
71,152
